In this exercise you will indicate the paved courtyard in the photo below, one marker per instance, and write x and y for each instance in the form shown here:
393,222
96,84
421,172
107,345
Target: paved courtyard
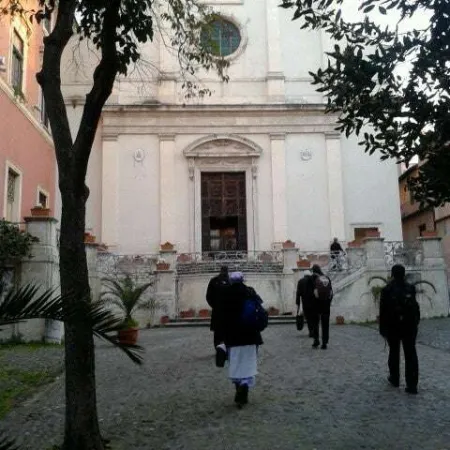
304,398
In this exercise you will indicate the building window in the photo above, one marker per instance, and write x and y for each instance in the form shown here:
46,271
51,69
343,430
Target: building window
42,199
44,115
17,63
220,37
12,196
47,21
422,228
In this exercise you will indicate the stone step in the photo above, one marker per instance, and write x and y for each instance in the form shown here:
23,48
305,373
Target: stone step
205,321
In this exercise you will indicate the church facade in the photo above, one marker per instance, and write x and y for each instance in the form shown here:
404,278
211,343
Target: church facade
253,165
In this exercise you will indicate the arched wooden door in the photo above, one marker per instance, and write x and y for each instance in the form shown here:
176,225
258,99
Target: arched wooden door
224,212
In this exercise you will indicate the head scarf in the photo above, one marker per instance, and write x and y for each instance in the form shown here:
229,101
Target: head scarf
236,277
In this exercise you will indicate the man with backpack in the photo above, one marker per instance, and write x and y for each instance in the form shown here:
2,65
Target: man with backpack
399,322
320,310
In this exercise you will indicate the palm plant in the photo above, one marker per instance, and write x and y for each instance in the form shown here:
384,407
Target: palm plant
376,290
31,302
127,295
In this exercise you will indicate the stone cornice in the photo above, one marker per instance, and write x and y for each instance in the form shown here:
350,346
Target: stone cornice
230,145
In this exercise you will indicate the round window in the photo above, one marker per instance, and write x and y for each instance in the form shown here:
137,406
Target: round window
220,37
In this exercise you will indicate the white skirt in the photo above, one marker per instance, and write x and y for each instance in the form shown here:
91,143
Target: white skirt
242,362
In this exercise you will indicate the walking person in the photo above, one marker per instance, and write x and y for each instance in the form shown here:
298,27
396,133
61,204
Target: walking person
241,323
336,254
304,299
216,295
399,323
320,311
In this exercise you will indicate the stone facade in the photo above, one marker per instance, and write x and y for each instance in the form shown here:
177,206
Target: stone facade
27,159
303,181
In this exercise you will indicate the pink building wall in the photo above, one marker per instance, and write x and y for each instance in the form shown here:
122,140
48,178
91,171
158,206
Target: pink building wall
25,143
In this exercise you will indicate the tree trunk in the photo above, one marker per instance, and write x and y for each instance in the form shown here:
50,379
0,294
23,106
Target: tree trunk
82,430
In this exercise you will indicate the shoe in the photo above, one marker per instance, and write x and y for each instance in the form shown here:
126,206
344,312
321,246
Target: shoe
392,382
316,344
411,390
241,397
324,346
221,356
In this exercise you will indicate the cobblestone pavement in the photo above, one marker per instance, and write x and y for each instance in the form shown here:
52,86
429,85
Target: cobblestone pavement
304,398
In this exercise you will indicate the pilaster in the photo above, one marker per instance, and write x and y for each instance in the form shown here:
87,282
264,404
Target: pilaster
335,185
110,190
278,155
167,188
275,75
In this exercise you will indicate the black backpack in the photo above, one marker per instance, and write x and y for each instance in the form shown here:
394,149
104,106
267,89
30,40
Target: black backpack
404,306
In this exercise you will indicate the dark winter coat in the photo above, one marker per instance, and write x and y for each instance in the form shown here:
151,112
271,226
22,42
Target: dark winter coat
390,323
320,306
305,292
228,322
216,294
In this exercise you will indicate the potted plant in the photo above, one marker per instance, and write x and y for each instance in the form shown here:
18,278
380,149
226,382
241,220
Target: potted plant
303,264
40,211
167,247
288,244
376,290
162,265
126,294
187,314
340,320
429,234
89,238
204,313
164,320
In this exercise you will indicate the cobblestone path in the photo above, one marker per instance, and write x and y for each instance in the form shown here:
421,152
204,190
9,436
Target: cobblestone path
304,398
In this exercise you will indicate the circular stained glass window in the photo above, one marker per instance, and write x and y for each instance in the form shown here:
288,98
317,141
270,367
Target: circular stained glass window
220,37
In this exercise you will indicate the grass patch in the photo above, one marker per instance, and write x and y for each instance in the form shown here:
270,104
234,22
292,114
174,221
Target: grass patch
27,347
16,384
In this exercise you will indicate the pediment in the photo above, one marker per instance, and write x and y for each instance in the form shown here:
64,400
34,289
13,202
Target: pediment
216,146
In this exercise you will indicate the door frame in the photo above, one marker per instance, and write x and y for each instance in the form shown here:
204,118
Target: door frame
243,165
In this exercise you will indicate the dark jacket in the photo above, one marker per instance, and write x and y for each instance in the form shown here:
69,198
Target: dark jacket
336,249
319,305
391,323
305,292
216,294
230,315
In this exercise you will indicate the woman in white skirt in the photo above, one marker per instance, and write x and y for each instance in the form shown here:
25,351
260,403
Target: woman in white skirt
241,342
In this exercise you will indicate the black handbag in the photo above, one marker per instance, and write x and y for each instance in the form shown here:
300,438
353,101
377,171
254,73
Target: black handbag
300,320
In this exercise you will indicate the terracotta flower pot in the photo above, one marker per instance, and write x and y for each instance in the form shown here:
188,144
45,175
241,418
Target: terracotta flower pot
288,244
128,336
167,246
354,244
162,266
273,311
204,313
303,264
429,234
187,314
164,320
38,211
340,320
89,238
184,257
